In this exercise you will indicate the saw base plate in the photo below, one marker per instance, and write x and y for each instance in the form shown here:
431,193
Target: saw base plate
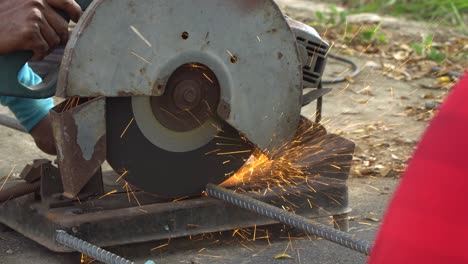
105,220
154,220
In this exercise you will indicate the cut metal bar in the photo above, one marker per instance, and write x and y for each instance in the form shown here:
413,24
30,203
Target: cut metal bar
18,191
285,217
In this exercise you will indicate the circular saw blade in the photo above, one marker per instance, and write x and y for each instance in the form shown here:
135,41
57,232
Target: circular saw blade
164,172
247,44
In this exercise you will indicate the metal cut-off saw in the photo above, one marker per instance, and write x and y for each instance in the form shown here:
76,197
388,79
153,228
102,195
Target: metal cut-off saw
176,94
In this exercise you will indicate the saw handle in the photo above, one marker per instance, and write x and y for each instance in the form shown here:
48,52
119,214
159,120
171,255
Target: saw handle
11,64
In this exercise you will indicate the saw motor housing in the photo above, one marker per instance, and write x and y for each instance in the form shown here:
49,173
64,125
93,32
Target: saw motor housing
258,59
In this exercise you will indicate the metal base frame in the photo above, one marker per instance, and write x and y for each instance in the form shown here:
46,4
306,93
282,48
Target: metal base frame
112,220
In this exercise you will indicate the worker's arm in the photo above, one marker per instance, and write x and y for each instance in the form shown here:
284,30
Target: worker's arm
34,25
33,113
28,111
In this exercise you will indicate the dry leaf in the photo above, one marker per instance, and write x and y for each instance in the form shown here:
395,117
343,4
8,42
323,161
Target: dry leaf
283,256
364,171
385,171
428,96
401,55
366,91
373,219
349,79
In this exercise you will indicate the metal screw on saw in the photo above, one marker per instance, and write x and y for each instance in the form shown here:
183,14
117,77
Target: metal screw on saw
224,110
158,89
234,59
88,249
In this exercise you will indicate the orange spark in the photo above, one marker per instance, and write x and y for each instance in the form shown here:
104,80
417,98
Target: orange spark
233,152
126,128
213,151
122,175
255,232
86,260
134,196
139,57
208,78
180,199
246,246
194,117
109,193
138,33
159,247
7,177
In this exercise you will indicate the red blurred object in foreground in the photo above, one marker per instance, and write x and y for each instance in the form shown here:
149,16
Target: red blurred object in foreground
427,220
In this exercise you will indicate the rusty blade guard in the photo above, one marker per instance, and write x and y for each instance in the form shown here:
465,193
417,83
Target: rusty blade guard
80,133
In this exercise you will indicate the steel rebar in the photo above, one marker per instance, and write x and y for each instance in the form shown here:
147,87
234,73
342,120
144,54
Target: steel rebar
285,217
89,249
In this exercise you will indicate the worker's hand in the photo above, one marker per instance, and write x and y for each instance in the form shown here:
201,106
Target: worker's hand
35,25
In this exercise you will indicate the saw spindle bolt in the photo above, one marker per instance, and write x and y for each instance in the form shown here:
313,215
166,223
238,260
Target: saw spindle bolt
190,96
187,95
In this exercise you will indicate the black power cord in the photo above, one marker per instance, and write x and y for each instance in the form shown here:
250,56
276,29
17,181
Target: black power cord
353,66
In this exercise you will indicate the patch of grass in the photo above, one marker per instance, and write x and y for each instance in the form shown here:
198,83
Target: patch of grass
425,49
373,36
333,17
446,11
336,20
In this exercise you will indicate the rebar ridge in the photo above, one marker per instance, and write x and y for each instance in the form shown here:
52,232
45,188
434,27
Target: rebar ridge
285,217
89,249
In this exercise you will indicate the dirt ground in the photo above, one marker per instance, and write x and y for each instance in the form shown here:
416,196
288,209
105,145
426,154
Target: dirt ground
384,110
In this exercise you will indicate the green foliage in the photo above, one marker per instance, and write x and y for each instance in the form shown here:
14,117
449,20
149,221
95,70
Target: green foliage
418,48
436,56
425,49
426,45
372,35
333,17
438,11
